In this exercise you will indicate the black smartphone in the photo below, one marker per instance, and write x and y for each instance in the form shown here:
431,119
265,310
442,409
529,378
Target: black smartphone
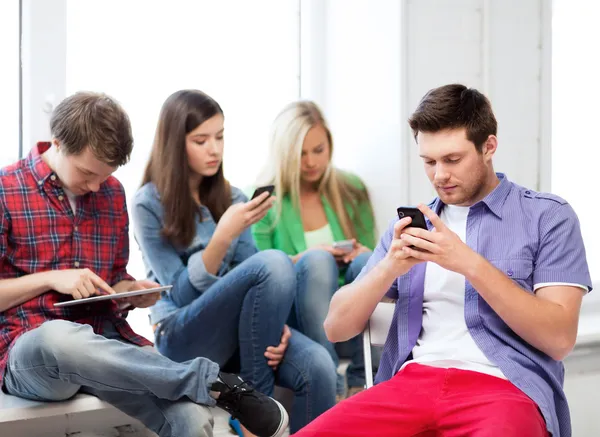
418,219
260,190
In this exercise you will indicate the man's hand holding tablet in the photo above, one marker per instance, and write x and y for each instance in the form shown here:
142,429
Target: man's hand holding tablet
143,300
85,286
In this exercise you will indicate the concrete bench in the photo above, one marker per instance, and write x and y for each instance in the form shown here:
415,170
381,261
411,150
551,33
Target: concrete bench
87,416
81,414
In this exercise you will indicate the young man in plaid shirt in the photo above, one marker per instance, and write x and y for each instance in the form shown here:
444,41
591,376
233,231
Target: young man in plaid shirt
64,235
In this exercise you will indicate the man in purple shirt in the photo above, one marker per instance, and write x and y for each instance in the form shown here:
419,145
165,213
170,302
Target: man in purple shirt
487,299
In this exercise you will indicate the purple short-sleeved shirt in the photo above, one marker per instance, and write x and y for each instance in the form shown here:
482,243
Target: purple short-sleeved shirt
533,238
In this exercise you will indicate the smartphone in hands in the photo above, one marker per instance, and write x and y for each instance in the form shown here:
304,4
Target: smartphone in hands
268,188
418,219
345,245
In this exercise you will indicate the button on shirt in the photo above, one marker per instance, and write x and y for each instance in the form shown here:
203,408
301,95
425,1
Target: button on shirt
37,235
534,238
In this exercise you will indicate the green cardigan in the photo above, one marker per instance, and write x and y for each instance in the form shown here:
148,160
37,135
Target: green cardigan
288,233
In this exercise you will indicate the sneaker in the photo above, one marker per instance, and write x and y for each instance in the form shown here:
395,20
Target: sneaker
258,413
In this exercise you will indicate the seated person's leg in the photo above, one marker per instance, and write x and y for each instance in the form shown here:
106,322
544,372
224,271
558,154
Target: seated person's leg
72,353
245,310
308,370
26,373
400,407
55,360
479,405
317,276
165,417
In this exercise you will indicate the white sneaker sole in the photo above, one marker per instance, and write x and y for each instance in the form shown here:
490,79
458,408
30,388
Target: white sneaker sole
284,421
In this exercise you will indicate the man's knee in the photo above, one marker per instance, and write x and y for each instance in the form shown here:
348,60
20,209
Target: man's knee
51,340
32,356
61,337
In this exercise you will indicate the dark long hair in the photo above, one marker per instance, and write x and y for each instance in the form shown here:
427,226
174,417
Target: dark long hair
169,170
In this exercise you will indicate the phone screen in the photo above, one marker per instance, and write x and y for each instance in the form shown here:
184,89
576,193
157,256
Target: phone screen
345,245
418,219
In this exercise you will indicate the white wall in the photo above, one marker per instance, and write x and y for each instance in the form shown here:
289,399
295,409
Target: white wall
581,382
368,64
44,66
375,61
575,95
495,47
356,78
9,86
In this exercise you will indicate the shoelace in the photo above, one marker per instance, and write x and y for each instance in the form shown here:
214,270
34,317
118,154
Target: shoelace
236,392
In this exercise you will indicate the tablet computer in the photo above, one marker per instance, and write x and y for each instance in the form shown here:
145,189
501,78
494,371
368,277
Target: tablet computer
112,296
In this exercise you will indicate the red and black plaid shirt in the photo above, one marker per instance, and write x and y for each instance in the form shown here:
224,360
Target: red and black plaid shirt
40,232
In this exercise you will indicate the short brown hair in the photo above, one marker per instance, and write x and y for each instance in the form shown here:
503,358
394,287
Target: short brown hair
93,120
454,107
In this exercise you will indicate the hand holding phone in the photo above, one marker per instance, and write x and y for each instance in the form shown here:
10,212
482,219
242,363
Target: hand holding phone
267,188
397,261
345,245
418,219
243,214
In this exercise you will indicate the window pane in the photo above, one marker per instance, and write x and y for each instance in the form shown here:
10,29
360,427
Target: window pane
9,85
243,54
575,150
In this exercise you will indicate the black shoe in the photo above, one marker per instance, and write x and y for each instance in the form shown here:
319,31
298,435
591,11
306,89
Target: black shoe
258,413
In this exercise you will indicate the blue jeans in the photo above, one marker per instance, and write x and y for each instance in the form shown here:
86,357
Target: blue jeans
242,314
61,358
318,279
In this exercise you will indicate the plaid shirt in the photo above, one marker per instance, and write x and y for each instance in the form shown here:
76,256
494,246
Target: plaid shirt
39,232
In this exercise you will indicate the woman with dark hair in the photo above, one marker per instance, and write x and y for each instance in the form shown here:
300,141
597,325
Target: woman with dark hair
229,302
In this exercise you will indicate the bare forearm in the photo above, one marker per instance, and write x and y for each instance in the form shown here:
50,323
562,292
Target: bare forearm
214,253
352,305
544,324
16,291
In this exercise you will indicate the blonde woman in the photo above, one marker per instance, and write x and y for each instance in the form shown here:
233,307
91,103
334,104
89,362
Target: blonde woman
320,208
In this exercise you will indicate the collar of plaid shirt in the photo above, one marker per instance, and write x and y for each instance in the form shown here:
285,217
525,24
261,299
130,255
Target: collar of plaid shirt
40,232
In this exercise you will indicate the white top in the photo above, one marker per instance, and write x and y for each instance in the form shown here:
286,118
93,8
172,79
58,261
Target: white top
445,340
319,236
72,200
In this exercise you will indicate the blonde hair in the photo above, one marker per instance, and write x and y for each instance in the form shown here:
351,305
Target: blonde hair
283,165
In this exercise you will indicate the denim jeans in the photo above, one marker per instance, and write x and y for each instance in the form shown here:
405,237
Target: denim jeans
61,358
318,279
242,314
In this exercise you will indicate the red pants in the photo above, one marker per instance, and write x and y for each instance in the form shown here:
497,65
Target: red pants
424,401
